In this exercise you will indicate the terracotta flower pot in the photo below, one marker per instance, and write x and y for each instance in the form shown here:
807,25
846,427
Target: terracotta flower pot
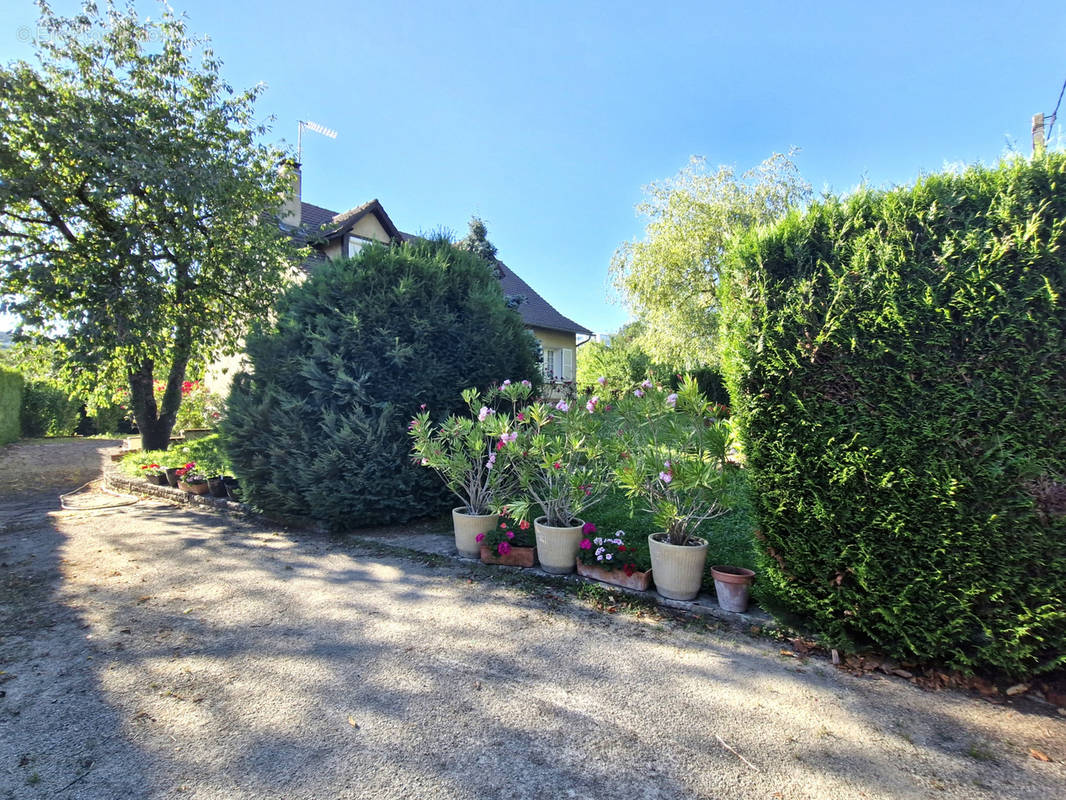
557,547
518,557
678,568
616,577
732,584
467,527
193,488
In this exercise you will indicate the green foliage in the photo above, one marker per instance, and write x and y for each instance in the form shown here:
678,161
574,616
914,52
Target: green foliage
319,428
137,209
48,410
11,387
896,367
209,455
674,449
465,450
669,279
565,460
625,361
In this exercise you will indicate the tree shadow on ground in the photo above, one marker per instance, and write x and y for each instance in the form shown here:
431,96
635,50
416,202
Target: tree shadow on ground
240,661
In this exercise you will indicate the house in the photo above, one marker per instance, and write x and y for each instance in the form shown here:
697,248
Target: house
334,235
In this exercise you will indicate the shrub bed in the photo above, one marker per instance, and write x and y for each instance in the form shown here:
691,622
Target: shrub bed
896,365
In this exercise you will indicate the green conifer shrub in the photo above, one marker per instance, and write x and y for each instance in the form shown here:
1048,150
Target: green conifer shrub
318,427
897,365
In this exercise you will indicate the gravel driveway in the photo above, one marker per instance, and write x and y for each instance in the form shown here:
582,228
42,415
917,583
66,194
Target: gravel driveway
152,651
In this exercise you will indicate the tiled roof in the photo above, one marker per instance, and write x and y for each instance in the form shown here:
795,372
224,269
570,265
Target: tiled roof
315,216
536,312
332,224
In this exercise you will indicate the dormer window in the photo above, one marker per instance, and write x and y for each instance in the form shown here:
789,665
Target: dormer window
355,244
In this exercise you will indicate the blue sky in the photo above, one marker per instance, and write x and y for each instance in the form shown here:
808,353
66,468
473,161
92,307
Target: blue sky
547,119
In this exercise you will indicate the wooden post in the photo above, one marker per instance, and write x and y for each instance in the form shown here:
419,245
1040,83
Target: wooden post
1038,134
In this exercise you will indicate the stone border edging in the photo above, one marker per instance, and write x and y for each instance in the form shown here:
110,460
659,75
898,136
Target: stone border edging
704,605
114,480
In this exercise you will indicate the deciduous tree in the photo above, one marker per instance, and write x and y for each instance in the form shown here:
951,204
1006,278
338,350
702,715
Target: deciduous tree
669,278
138,231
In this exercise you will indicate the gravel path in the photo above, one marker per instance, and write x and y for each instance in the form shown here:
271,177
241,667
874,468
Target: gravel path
157,652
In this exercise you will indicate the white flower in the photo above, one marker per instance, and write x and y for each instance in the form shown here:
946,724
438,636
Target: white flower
608,556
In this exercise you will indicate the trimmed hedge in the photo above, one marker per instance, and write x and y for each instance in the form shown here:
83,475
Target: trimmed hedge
10,403
319,427
897,363
47,410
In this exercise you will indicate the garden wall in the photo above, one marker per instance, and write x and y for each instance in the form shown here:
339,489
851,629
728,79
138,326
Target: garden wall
896,364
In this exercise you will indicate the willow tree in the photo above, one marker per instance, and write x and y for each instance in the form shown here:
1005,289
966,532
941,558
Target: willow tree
138,233
669,278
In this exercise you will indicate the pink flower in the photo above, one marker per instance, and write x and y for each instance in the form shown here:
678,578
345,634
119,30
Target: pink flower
510,534
506,383
588,528
503,548
557,465
505,439
646,384
499,445
527,384
665,477
521,417
423,407
671,400
483,414
602,381
586,544
503,524
479,538
638,392
523,525
425,462
591,404
562,406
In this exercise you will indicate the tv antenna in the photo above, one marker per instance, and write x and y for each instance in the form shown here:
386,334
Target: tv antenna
311,126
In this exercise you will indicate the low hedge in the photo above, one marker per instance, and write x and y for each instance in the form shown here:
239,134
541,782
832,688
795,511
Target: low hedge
896,367
47,410
11,386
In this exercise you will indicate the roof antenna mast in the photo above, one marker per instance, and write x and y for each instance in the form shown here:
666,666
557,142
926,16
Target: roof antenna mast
311,126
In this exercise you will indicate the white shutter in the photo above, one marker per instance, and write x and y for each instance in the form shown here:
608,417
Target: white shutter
568,364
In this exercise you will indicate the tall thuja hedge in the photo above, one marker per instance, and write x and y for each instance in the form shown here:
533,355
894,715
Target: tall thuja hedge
10,403
897,362
319,426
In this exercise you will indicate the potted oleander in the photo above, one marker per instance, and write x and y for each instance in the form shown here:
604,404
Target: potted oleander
673,456
471,454
562,466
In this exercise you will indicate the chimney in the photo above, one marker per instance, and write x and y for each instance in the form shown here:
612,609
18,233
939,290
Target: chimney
291,213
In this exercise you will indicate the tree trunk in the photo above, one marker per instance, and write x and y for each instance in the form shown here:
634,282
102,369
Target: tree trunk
155,423
155,433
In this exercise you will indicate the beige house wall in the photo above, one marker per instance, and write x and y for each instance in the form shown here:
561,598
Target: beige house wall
369,228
